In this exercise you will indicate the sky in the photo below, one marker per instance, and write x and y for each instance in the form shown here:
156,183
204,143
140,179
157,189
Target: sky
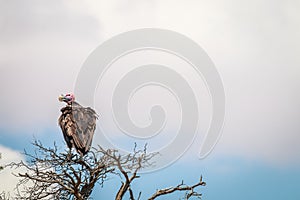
253,44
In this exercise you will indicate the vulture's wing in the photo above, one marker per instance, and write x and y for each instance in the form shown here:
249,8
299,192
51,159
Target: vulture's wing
85,121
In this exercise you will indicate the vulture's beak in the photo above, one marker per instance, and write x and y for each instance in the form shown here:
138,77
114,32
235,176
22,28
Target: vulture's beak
61,97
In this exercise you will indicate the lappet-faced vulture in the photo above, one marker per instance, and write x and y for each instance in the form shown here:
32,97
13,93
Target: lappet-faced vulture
77,123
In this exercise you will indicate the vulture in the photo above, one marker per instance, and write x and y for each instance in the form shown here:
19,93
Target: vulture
77,123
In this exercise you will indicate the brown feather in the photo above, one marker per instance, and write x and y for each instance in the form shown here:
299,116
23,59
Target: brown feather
78,125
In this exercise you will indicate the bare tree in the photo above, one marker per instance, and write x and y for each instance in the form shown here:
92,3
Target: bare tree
51,174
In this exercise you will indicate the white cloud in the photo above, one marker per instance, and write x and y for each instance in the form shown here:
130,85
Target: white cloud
9,181
254,44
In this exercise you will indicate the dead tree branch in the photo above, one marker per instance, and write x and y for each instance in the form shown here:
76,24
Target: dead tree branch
128,167
190,190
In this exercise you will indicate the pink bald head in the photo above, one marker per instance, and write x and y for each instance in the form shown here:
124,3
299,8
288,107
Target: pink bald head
68,98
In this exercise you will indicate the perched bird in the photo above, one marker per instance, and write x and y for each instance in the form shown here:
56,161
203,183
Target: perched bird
77,123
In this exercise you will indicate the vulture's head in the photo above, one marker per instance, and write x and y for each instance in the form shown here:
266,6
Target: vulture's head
68,98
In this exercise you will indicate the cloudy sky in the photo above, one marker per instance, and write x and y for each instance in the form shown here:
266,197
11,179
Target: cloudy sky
253,44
